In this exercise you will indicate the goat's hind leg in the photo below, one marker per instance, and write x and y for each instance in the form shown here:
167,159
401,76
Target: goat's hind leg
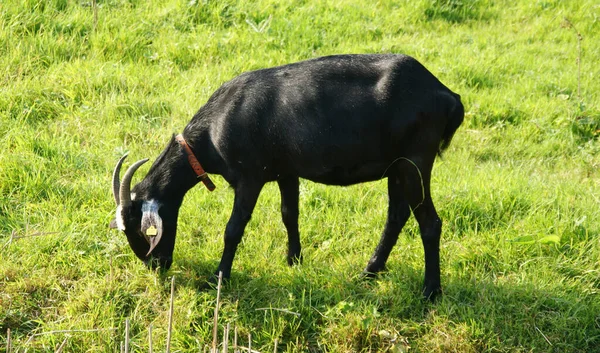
290,189
398,213
431,229
417,191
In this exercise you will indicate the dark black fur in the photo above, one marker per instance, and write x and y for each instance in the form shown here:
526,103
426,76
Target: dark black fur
337,120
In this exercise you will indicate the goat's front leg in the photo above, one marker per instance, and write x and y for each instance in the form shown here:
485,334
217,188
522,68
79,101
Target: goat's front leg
290,189
246,194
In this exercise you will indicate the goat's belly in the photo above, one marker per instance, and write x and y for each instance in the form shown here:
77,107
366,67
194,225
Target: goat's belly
342,175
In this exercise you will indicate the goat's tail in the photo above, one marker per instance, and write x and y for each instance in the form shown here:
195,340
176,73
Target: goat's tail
455,116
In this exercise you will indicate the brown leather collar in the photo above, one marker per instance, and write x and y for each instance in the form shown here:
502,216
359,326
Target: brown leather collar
194,163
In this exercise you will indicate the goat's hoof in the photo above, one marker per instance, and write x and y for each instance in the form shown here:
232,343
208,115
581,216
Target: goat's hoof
212,282
432,294
372,273
369,275
294,260
206,286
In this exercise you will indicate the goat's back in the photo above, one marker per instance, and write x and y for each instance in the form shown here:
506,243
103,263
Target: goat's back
337,119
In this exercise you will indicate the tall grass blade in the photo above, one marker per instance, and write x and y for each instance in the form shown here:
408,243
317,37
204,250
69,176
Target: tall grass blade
127,335
62,346
8,342
216,314
150,339
170,329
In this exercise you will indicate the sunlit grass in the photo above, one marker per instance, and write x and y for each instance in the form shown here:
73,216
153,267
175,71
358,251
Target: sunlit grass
517,190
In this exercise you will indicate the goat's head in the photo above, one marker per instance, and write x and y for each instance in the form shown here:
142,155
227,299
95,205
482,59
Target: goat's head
149,224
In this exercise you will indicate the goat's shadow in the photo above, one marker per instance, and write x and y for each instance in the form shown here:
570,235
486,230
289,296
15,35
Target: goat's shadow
311,307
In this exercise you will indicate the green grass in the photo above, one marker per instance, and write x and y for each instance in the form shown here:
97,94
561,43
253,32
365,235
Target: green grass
518,190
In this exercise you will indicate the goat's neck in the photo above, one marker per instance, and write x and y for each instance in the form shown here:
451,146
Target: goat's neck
170,177
199,139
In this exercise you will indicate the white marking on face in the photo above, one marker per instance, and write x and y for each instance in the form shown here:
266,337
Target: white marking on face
151,206
120,219
151,226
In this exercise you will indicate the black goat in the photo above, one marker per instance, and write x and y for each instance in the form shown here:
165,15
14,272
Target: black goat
336,120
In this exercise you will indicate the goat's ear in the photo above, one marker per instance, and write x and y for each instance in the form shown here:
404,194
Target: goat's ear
113,224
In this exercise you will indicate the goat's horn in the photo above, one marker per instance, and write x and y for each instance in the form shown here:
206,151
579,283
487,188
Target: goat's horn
125,188
115,179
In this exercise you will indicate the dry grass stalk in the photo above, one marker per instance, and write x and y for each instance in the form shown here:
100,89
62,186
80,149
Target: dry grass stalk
30,339
568,24
282,310
8,343
112,272
546,338
216,316
95,9
170,330
226,339
150,338
14,236
36,234
126,335
62,346
235,336
276,343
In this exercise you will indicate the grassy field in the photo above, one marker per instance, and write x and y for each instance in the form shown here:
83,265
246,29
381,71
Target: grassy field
518,190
